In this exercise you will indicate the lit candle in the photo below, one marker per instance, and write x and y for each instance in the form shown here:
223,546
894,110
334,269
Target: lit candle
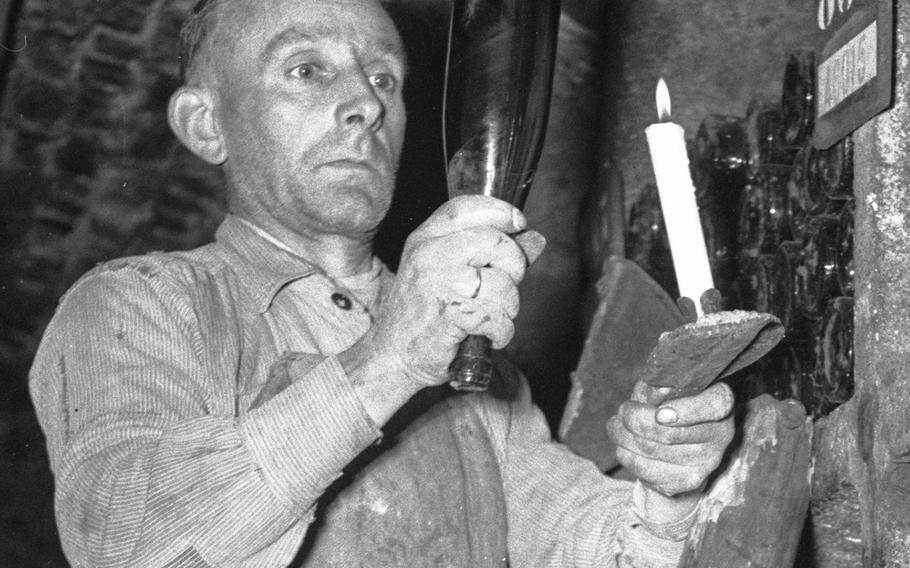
667,142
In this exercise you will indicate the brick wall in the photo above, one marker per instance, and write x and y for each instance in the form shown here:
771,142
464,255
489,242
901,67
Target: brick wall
88,171
88,167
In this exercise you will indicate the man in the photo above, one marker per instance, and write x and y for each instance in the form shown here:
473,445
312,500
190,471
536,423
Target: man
279,397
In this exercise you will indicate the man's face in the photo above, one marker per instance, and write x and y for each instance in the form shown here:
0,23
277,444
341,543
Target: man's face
309,103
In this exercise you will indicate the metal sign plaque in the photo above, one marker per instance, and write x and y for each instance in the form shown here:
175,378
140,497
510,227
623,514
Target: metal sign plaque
854,75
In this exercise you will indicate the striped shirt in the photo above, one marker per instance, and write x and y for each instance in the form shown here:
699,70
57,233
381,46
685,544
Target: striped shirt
171,445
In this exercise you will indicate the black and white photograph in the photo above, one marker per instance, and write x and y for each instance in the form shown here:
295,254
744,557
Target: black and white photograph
454,284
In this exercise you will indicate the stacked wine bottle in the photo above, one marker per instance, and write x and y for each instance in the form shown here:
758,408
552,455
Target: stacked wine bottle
778,220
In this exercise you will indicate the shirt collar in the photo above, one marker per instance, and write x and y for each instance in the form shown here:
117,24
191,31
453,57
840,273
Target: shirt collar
266,265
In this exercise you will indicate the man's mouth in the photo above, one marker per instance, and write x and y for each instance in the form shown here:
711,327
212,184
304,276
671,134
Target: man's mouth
360,155
352,164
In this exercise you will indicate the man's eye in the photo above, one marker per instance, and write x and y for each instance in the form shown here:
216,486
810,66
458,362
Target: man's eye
306,71
385,81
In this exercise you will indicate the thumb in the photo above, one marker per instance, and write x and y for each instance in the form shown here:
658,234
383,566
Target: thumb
532,244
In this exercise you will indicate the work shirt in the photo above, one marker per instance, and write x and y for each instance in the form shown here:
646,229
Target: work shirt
196,416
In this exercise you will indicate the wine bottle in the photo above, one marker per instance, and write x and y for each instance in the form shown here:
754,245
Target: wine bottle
764,222
816,275
763,132
798,100
647,243
786,280
756,282
719,154
845,267
497,99
805,195
786,372
751,223
831,171
833,380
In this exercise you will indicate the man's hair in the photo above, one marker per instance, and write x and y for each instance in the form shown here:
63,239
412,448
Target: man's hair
199,24
196,28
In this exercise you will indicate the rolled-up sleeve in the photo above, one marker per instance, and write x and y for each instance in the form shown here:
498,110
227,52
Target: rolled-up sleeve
562,511
152,463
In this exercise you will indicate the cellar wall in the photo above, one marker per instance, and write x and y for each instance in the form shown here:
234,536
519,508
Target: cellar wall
727,58
89,171
716,56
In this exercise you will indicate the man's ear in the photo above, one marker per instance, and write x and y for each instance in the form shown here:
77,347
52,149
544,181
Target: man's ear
191,114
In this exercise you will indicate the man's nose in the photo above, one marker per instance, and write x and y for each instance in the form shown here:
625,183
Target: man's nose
361,107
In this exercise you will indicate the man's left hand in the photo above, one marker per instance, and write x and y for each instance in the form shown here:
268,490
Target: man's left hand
673,446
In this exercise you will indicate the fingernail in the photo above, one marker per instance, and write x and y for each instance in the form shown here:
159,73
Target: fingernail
518,220
667,415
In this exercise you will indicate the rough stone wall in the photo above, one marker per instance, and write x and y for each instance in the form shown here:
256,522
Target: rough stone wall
88,171
88,167
862,451
882,427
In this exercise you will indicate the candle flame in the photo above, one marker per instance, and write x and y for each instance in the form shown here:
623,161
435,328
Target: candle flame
663,100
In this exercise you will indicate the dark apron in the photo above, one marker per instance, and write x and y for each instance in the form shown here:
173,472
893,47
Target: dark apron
429,495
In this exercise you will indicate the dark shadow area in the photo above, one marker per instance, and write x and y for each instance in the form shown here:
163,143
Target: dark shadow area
421,184
9,19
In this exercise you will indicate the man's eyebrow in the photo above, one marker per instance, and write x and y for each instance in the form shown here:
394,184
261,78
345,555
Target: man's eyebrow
390,48
286,37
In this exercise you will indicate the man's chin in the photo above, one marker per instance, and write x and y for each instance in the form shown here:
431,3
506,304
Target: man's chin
362,171
358,213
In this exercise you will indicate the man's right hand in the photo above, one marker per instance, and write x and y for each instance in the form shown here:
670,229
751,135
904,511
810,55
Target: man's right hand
435,301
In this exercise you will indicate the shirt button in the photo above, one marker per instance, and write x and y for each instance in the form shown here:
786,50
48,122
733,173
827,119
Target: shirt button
342,301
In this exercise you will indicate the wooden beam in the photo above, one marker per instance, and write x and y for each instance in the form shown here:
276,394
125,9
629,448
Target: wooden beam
834,520
754,512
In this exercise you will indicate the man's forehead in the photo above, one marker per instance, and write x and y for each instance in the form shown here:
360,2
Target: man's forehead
387,43
293,20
